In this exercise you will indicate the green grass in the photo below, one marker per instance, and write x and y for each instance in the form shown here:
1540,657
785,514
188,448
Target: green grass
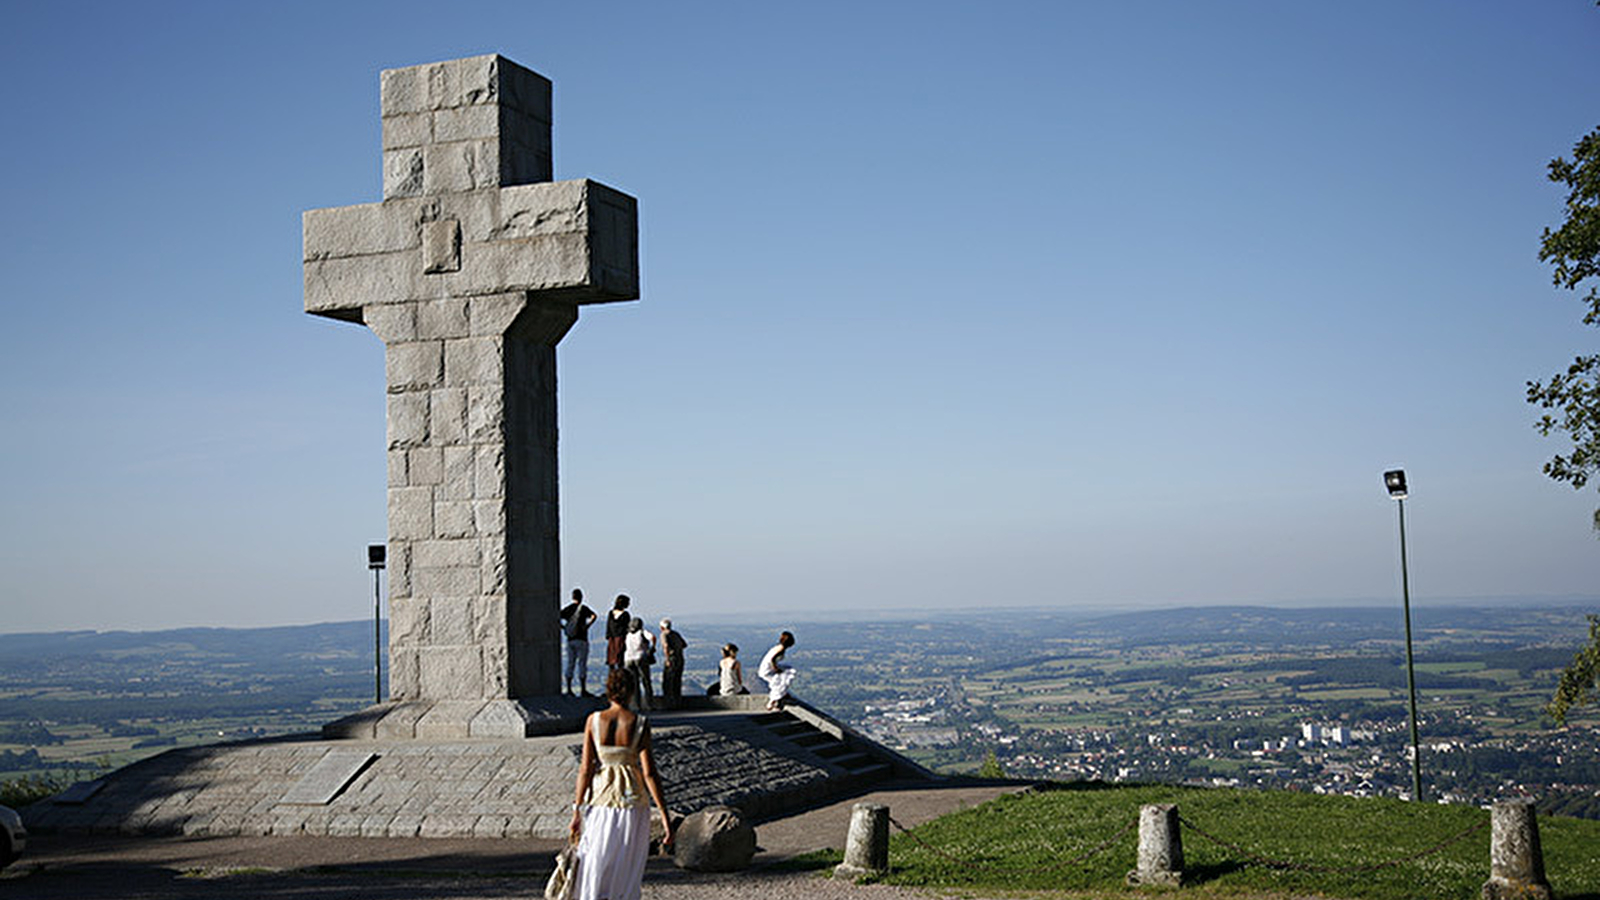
1454,668
1355,693
1023,842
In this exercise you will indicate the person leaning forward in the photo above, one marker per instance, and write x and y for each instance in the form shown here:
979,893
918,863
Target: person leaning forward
777,675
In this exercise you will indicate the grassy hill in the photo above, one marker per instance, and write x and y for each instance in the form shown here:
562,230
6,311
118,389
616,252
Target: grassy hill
1320,846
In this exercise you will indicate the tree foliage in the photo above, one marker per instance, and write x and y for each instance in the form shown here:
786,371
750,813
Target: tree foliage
1580,683
991,767
1571,399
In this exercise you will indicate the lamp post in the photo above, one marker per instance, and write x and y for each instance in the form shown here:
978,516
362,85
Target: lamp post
1395,481
375,560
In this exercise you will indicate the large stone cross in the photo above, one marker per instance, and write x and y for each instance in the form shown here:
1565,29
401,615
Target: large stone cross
470,271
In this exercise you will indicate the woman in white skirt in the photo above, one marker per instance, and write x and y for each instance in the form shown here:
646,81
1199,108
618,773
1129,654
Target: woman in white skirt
777,675
610,815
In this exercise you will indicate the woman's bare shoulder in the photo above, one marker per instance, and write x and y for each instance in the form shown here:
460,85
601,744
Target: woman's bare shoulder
624,722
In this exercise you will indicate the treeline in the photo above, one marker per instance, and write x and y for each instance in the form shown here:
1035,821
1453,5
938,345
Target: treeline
34,734
1375,671
1580,805
1169,675
24,760
1349,671
347,693
1527,661
1497,764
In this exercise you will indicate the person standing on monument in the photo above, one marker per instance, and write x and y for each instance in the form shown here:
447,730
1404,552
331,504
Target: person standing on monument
777,675
576,617
637,657
672,644
610,815
616,631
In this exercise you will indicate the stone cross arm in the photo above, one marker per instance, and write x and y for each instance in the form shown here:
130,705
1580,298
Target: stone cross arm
568,241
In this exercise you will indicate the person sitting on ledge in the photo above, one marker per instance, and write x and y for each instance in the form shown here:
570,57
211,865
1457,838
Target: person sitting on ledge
730,680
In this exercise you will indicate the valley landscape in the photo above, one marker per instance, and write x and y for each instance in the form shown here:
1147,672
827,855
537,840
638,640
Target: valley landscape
1311,700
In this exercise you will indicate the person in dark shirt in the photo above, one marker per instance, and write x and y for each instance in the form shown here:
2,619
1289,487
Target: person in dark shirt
617,631
672,644
576,617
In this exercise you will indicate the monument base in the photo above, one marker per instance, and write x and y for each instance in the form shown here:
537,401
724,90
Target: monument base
457,719
370,785
1506,889
1137,878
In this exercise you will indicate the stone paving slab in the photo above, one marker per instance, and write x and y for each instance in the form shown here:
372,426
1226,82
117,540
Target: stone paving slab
515,788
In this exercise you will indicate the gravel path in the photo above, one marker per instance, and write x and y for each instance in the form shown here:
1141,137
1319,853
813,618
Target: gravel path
346,886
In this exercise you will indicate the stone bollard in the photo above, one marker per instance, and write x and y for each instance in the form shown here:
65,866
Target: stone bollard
866,848
1516,864
1160,847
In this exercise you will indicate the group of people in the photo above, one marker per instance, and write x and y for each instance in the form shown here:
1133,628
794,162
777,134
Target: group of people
631,648
617,777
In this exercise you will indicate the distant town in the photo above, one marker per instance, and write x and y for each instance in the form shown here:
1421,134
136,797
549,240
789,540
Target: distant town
1308,700
1305,699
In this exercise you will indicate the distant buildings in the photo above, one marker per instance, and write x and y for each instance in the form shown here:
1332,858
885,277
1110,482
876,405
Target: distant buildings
1315,735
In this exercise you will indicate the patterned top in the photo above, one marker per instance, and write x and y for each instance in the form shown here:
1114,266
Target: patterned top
619,782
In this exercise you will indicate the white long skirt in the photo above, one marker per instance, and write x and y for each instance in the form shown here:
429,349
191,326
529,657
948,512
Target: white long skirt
778,684
612,849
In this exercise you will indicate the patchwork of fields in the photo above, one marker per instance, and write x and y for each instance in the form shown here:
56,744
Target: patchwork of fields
1310,699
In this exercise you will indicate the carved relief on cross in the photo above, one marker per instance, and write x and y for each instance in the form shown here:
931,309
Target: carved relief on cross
470,271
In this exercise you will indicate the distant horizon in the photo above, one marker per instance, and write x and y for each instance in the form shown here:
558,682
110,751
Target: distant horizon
840,615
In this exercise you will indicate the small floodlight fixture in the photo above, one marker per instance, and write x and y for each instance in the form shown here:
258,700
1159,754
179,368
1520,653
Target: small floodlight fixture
1395,481
375,559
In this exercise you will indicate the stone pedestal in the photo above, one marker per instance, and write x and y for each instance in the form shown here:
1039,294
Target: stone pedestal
866,846
1160,847
1516,863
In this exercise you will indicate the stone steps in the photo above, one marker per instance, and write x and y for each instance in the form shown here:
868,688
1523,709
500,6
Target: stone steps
856,765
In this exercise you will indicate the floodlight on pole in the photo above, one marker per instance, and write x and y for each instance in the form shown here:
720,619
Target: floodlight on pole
1395,481
376,554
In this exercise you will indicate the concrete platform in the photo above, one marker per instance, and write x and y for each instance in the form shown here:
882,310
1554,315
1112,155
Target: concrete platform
723,752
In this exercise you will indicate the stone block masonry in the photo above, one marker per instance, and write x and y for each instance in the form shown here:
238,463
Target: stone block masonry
405,788
471,270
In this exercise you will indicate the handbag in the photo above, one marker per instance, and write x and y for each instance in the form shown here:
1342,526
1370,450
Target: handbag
563,883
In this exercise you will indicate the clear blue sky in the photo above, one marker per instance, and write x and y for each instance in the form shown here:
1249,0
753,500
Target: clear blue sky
945,305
